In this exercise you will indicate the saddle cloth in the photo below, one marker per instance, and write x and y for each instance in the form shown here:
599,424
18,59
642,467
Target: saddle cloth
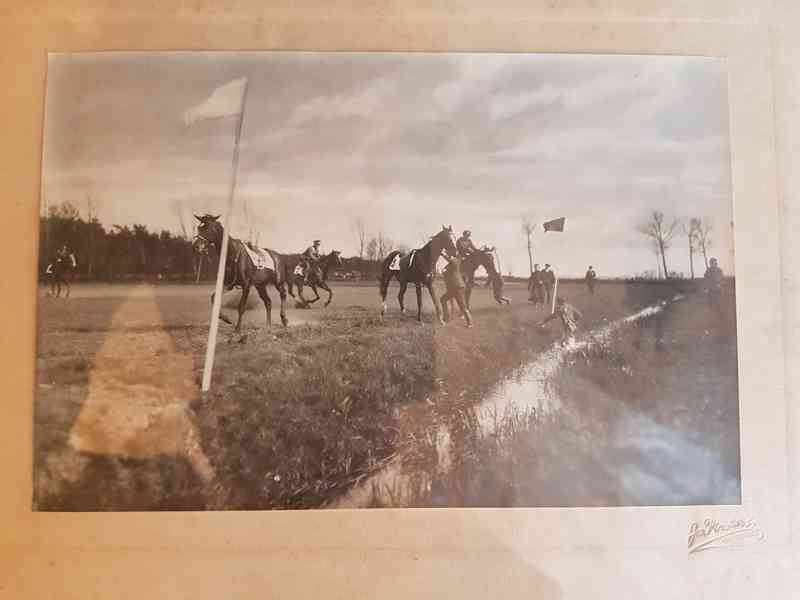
261,258
395,266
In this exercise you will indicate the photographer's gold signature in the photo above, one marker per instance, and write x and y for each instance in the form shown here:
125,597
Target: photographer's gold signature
713,533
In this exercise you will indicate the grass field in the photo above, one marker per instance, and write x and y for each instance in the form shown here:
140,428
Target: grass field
295,415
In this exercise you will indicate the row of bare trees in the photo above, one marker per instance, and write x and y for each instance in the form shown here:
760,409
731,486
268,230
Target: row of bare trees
375,247
662,235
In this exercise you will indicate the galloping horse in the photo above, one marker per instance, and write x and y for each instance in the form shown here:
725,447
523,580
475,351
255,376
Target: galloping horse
317,278
479,258
416,267
240,271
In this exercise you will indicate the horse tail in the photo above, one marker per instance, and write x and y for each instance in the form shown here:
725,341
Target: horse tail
386,274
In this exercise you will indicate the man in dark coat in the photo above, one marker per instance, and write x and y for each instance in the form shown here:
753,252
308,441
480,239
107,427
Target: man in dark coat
549,283
590,277
536,286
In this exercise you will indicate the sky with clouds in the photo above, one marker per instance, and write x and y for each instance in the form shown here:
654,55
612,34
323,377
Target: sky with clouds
406,142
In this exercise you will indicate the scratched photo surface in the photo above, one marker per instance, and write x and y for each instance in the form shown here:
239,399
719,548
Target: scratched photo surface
449,280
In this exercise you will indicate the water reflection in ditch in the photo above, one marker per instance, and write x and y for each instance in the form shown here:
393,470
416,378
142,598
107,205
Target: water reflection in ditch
651,449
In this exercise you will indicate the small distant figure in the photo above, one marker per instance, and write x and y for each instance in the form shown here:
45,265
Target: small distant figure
455,285
591,276
536,286
712,280
61,271
569,317
497,289
549,282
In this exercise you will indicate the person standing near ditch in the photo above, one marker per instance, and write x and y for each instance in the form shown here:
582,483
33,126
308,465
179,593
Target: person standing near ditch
590,279
454,282
549,282
536,286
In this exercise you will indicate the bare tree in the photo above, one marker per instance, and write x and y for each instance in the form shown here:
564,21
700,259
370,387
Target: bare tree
690,230
704,238
90,215
528,227
176,206
372,249
384,244
360,231
661,234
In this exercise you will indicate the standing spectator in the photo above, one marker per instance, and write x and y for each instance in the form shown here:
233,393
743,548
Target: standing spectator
590,279
549,282
536,286
712,281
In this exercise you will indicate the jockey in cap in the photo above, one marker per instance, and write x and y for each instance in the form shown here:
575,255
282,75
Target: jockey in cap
465,245
309,259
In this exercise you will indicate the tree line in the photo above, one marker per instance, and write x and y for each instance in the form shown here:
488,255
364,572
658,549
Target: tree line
662,236
121,252
135,252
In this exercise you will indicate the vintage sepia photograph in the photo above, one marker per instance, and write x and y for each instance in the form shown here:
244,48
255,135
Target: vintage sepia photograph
308,280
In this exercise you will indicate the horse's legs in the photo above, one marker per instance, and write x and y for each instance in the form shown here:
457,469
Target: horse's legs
386,278
300,286
316,293
419,301
282,294
262,292
401,293
221,315
327,288
243,304
436,305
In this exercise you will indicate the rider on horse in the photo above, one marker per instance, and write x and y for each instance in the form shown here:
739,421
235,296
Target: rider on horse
310,261
465,245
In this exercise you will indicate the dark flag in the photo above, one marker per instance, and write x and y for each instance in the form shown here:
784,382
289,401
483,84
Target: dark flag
555,224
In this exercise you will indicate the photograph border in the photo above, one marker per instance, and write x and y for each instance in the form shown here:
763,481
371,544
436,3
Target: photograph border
763,410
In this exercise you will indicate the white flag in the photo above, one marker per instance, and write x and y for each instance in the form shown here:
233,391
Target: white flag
225,101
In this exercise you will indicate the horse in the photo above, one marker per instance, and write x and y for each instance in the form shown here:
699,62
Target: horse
240,270
61,272
416,267
317,278
479,258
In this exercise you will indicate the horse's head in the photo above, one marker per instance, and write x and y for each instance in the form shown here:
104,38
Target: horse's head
443,241
209,233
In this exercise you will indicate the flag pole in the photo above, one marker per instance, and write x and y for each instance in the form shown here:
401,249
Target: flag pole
223,254
555,292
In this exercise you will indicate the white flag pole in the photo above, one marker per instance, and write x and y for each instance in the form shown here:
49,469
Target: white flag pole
555,292
223,254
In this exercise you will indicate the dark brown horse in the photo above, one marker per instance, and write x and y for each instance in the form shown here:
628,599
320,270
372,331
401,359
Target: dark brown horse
480,258
416,267
240,271
317,277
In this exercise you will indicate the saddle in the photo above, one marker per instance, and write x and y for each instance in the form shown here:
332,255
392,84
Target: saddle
260,258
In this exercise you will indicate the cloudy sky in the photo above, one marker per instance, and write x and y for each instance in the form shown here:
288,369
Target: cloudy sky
405,142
